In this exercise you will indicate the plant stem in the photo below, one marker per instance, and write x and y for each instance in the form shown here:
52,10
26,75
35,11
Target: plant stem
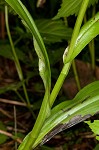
19,95
66,66
73,63
39,122
59,83
15,126
92,53
76,29
76,75
92,46
17,64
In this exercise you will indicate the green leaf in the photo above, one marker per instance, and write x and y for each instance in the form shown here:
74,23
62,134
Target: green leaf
3,137
88,31
29,23
25,140
2,2
11,87
92,2
42,67
6,51
97,147
46,148
97,137
70,7
55,56
20,135
83,106
53,31
94,127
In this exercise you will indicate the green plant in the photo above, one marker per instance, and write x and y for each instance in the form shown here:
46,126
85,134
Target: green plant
94,127
50,120
16,60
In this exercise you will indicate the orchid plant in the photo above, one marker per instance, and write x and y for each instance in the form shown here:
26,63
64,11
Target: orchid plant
85,104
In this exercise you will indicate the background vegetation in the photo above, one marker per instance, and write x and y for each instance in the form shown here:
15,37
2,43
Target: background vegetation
21,87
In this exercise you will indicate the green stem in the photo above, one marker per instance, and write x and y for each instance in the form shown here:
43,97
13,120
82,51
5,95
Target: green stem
15,126
59,83
76,75
19,95
17,64
22,99
17,41
73,63
76,29
39,122
93,54
92,46
66,66
18,67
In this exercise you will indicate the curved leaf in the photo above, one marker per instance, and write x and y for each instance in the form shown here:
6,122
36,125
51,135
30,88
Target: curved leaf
44,66
89,31
79,109
29,22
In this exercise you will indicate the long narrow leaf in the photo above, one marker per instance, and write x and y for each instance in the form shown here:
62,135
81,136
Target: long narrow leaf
72,112
44,67
28,21
89,31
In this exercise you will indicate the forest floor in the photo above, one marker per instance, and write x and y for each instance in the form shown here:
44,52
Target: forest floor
15,117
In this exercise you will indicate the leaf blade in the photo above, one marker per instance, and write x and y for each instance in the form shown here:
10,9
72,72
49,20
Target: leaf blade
65,118
29,22
89,31
71,7
53,30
